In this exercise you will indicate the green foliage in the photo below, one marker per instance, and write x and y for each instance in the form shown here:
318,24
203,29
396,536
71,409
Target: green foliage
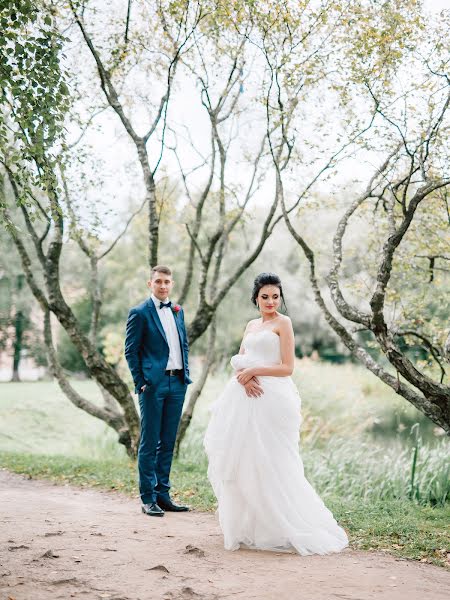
381,33
35,96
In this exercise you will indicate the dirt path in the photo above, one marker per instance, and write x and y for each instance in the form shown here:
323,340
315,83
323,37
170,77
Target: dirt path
63,542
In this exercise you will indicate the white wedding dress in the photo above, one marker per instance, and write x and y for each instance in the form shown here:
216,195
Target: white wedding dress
264,499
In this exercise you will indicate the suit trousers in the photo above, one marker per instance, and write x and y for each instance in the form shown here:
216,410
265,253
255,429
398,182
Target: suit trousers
160,408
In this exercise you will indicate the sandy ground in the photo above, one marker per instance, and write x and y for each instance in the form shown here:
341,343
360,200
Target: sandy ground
65,542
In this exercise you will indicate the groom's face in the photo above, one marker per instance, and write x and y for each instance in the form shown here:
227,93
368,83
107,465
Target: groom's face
161,285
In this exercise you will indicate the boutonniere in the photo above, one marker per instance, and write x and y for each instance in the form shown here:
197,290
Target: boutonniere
176,309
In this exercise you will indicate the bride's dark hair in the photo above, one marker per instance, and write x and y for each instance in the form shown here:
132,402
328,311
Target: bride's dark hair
267,279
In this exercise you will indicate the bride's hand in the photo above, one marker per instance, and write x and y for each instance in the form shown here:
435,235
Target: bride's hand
244,376
253,389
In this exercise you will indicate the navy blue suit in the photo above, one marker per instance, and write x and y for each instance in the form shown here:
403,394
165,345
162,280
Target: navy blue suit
161,403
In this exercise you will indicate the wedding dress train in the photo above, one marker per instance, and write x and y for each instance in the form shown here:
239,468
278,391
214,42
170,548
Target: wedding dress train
255,468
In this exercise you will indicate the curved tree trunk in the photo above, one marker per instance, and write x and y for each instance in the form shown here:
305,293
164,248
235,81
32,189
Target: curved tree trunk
54,301
109,414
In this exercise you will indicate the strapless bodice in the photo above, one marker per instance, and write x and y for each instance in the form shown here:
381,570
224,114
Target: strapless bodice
261,348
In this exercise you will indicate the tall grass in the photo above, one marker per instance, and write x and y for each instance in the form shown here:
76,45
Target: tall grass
360,469
363,468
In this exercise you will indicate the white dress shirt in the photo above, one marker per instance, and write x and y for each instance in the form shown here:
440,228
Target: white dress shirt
167,319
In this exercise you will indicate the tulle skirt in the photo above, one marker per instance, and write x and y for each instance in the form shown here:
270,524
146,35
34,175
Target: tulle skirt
264,500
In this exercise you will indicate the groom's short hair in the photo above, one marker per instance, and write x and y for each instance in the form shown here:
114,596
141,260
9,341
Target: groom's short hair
160,269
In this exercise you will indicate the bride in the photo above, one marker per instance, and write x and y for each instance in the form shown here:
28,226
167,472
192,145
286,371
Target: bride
264,499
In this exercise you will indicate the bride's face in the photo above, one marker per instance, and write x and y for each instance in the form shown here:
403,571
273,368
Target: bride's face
269,299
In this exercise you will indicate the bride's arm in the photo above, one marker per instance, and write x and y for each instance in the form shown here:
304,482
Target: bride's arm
287,348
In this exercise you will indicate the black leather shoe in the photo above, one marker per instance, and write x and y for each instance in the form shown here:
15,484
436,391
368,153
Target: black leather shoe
153,510
169,506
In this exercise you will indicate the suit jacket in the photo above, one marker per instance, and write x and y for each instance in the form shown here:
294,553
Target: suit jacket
146,347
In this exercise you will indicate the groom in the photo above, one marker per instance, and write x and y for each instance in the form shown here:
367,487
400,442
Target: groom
156,349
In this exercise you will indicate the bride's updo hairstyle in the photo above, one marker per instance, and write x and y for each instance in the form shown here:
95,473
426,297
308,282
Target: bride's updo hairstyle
267,279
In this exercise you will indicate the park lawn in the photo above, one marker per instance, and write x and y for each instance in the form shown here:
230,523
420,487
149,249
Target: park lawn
341,401
398,527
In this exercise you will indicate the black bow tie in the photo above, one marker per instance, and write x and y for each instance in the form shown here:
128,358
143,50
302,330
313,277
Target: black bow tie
168,305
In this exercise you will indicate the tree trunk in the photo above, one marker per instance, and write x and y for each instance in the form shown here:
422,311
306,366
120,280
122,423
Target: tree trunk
19,326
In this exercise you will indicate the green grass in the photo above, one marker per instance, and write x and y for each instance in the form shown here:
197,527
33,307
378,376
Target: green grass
399,527
357,447
187,479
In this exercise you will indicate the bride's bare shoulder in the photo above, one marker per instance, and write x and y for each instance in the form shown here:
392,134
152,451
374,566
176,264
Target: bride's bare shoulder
285,318
285,322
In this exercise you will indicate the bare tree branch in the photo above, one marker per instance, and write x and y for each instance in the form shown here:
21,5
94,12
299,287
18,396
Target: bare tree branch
434,350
